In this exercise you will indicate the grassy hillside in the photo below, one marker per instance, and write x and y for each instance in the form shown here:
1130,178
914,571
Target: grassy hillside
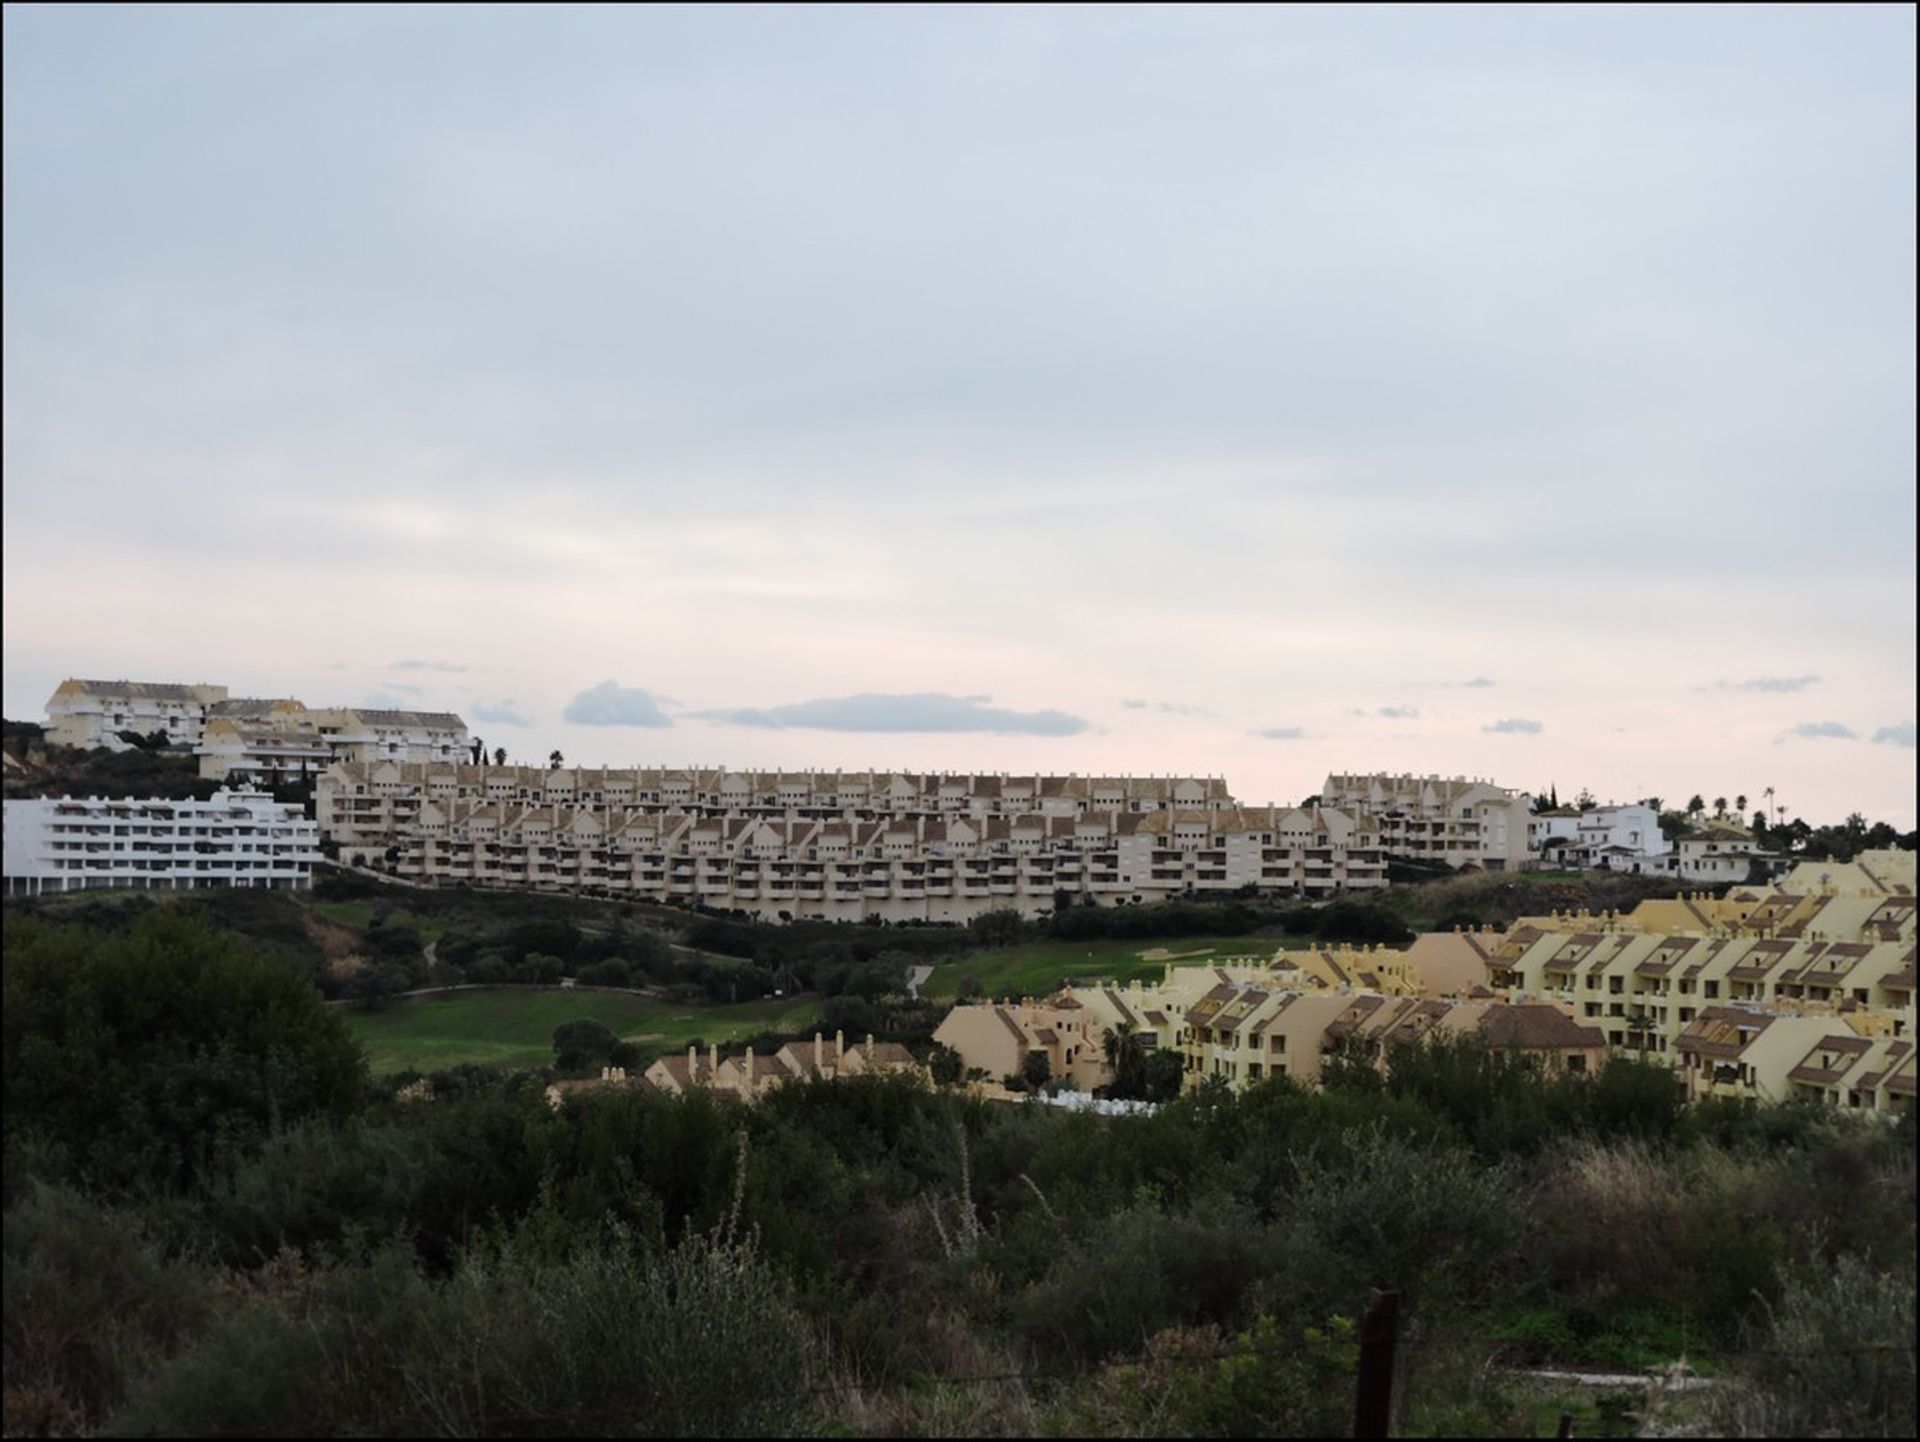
513,1026
1035,968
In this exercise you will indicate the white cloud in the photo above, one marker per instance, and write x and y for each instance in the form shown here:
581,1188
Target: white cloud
610,705
1819,730
1515,726
1899,734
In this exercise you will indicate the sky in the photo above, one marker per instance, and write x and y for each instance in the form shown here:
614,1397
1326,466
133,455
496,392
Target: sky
1515,393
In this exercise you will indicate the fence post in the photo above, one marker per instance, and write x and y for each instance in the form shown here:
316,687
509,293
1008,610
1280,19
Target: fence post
1373,1388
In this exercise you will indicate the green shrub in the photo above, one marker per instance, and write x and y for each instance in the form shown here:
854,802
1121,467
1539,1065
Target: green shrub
89,1302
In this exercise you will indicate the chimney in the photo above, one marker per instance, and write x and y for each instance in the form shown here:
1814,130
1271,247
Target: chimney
839,1046
869,1046
749,1068
693,1062
819,1052
713,1058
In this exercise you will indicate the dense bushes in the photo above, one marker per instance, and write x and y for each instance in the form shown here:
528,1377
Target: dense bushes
152,1055
293,1256
695,1341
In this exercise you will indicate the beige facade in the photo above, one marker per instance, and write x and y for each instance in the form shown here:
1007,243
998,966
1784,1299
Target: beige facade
1764,1055
747,1077
626,833
91,714
282,739
1457,821
1248,1022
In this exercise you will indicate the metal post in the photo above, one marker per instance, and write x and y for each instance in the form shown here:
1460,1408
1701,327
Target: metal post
1373,1388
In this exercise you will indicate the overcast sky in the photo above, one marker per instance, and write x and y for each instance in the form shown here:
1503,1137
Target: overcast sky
1517,393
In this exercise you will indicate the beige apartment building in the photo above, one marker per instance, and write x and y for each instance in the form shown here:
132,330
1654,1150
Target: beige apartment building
1455,820
1248,1022
1762,1055
91,714
281,739
625,833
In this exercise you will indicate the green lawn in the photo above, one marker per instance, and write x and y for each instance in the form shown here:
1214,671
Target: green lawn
513,1026
1037,968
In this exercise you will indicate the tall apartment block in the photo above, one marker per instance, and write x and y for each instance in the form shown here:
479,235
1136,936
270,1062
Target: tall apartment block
1457,821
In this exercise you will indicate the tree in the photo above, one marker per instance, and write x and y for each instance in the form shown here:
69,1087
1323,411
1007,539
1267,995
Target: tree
153,1055
996,928
583,1044
479,751
1719,806
499,756
946,1065
1696,805
555,760
1037,1070
1740,805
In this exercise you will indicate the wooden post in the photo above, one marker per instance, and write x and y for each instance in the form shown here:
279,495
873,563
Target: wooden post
1566,1425
1373,1388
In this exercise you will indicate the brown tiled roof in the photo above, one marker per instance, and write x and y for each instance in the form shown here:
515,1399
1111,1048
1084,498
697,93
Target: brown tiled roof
1526,1027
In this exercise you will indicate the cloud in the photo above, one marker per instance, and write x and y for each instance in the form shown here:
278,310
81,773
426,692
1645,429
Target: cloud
381,701
1816,730
1771,685
1515,726
1401,713
1280,733
611,705
920,712
1170,708
1477,681
426,666
1898,735
500,713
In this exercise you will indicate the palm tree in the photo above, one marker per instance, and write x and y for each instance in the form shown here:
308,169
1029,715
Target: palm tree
1696,805
499,756
555,759
1719,806
1740,805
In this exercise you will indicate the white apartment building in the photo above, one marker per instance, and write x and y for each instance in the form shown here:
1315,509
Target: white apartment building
254,740
237,838
91,714
267,740
626,832
1457,821
1619,838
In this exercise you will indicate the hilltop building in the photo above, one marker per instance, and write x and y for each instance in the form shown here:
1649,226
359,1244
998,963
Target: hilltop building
262,740
91,714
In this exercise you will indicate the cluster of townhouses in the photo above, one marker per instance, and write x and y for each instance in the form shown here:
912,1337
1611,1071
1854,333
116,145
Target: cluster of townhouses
1804,988
839,845
747,1078
237,838
256,740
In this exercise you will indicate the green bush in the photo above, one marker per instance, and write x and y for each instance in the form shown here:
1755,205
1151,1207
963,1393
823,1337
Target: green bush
89,1302
700,1340
155,1054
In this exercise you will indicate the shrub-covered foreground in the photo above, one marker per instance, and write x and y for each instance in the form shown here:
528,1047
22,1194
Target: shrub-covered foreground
867,1256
